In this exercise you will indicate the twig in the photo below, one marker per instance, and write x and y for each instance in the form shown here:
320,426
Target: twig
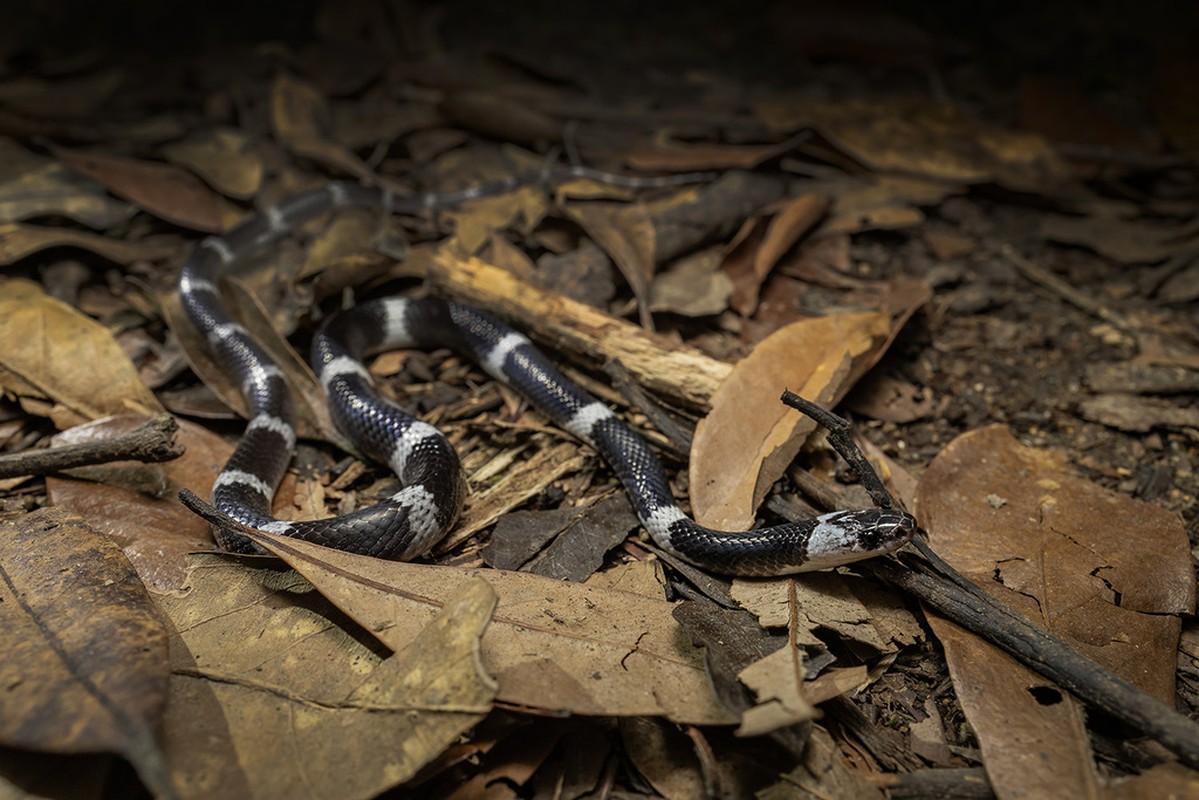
624,382
151,442
928,577
941,587
1067,292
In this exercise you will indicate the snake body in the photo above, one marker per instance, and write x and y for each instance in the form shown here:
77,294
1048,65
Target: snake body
409,522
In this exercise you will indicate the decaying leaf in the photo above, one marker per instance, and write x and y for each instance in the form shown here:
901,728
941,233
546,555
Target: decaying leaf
224,157
1106,573
85,651
18,241
61,364
35,186
136,505
300,118
552,645
163,190
270,697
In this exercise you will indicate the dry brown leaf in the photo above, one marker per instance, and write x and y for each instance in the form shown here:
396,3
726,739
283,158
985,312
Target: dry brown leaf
35,186
79,97
747,440
85,652
777,682
224,157
832,602
552,645
913,137
271,699
163,190
664,756
136,505
627,234
693,286
1107,574
823,773
61,364
1129,241
300,118
18,241
654,155
796,218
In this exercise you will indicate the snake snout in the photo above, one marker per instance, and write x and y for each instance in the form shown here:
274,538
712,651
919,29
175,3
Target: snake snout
893,529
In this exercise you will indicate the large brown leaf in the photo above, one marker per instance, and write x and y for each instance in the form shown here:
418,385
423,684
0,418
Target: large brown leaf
1108,574
552,645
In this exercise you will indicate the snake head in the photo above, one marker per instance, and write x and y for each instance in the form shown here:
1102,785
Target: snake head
847,536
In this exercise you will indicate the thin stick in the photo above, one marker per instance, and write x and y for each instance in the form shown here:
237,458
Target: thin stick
151,442
928,577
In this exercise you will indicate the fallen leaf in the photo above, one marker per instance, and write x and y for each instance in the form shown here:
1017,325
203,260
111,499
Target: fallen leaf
693,286
271,697
778,683
62,364
1128,412
300,118
1129,241
933,141
224,157
552,645
829,602
85,652
676,156
18,241
749,437
164,190
664,756
34,186
79,97
1107,574
136,505
796,218
626,232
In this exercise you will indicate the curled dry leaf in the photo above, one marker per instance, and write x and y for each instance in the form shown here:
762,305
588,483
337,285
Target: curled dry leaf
300,118
164,190
746,442
788,226
61,364
1108,574
85,652
271,698
224,157
136,505
552,645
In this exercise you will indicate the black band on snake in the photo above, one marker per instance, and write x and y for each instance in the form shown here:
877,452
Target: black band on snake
411,521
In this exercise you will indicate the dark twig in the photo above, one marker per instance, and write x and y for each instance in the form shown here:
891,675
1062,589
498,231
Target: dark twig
627,385
151,442
929,578
842,442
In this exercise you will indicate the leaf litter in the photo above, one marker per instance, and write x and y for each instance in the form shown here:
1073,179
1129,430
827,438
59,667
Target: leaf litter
857,205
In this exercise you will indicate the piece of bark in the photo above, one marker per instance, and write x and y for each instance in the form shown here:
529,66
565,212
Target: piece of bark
664,366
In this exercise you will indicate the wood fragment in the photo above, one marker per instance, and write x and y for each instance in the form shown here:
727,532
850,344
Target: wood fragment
669,368
151,442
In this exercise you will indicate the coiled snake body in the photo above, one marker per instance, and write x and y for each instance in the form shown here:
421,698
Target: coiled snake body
409,522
